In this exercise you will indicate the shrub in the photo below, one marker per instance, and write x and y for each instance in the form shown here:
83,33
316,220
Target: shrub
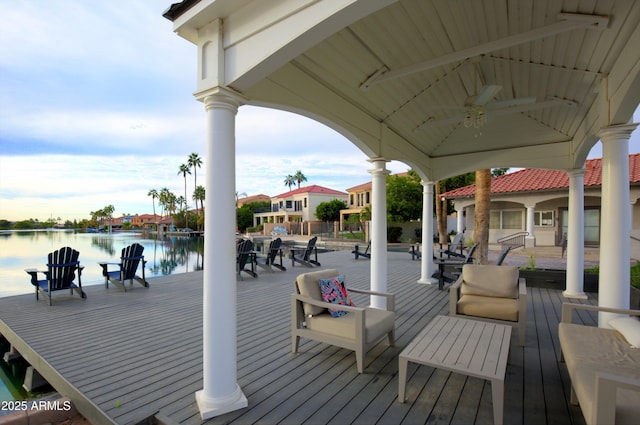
393,234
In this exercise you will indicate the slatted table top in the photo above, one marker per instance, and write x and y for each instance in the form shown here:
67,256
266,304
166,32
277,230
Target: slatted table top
472,347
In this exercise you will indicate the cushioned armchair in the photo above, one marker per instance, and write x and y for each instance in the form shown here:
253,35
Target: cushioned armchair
359,329
492,293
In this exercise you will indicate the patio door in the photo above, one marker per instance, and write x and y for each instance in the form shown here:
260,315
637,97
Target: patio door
591,225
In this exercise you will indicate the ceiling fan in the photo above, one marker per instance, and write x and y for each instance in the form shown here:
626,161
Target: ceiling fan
476,107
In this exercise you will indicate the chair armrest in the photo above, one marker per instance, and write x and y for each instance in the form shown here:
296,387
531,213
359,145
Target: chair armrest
607,386
454,295
391,298
105,267
325,304
568,308
34,275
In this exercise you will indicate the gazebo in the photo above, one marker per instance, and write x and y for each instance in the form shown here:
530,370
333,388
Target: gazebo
446,87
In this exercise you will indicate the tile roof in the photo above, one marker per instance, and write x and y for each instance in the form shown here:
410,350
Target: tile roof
310,189
367,185
534,179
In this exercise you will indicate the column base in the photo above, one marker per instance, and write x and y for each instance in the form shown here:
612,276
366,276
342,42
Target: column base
529,241
210,407
428,281
578,295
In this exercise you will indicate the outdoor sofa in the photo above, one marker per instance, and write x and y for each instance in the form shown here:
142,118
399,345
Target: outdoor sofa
603,365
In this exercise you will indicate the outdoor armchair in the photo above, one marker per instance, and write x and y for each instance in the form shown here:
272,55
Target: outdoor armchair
359,329
491,293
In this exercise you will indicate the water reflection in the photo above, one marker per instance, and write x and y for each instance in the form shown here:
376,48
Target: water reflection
20,250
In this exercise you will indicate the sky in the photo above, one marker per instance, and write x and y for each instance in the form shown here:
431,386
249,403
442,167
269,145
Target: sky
96,109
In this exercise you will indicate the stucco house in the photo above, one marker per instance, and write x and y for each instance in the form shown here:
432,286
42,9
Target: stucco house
297,205
536,201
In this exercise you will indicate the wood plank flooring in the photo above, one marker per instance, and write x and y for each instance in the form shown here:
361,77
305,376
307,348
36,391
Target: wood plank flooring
131,357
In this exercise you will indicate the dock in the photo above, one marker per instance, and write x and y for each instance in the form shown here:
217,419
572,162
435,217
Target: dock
136,357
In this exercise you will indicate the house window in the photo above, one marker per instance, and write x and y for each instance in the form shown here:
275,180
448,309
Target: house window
298,205
368,201
506,219
289,205
543,218
351,199
305,202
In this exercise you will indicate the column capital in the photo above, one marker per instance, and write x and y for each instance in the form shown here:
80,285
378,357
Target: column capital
622,131
427,183
576,172
380,169
220,95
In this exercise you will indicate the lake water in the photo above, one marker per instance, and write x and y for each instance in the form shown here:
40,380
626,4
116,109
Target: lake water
21,250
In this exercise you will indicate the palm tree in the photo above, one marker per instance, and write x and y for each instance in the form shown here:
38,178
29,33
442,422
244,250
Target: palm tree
163,199
184,170
154,194
195,162
198,195
289,181
483,198
299,177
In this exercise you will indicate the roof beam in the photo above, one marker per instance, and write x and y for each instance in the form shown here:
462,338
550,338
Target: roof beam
566,22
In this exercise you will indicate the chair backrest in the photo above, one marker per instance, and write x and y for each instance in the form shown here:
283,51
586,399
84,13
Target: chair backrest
62,265
131,256
457,241
503,255
469,258
307,284
490,280
244,249
310,246
274,248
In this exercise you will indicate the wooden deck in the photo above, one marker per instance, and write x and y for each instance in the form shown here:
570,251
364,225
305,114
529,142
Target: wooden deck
127,357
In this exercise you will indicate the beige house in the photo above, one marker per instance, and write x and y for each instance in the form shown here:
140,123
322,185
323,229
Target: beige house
534,203
296,206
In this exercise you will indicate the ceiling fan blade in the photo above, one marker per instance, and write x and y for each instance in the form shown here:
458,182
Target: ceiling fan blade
485,95
500,104
437,122
548,103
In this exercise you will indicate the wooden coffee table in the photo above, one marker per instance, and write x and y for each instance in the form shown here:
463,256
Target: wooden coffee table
471,347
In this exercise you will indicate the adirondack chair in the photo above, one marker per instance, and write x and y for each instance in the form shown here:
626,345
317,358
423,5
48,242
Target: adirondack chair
269,261
128,266
245,255
62,266
452,277
303,255
503,255
456,247
365,253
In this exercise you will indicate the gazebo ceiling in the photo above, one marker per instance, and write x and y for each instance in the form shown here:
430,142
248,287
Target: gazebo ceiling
398,78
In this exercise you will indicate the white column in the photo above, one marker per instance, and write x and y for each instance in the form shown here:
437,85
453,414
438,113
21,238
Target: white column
575,236
220,393
426,263
530,239
378,230
460,220
615,228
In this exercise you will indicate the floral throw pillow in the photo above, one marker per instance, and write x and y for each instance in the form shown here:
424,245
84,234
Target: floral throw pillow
334,291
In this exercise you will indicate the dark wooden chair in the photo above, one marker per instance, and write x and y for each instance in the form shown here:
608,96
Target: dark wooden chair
503,255
130,260
62,266
365,253
303,255
246,255
274,252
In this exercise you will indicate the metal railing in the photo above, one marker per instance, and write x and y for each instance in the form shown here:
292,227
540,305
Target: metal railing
514,241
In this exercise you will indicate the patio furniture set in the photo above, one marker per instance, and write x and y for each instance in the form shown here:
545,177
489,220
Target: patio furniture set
485,304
